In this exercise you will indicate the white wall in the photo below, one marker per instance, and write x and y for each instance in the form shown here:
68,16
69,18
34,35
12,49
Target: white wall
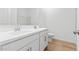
59,21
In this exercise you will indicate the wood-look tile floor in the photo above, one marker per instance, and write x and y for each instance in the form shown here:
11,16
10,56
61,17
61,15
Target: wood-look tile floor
58,45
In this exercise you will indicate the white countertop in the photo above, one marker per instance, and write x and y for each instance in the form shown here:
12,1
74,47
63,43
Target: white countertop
12,35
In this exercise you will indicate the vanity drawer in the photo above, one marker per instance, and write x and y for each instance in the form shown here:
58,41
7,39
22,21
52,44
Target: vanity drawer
16,45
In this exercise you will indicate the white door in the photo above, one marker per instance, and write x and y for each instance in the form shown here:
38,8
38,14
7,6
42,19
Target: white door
77,27
77,32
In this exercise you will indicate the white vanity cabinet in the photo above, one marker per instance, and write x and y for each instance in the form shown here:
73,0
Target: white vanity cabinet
43,40
36,41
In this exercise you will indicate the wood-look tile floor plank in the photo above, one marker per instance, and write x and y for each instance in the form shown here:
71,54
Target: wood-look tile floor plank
58,45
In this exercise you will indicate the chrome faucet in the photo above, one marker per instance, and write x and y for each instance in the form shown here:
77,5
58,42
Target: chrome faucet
35,27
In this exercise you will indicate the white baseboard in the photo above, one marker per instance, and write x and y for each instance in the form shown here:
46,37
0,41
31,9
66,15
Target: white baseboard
65,40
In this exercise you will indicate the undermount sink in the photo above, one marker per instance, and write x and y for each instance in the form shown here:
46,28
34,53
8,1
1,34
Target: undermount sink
18,32
21,31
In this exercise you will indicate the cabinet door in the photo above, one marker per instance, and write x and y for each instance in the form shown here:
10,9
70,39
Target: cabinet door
42,43
46,38
32,46
35,45
43,40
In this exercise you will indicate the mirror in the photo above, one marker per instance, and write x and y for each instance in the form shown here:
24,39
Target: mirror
8,19
8,16
23,16
12,17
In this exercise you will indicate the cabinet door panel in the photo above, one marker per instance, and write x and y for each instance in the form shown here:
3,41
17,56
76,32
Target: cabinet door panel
43,40
46,38
35,46
32,46
42,43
